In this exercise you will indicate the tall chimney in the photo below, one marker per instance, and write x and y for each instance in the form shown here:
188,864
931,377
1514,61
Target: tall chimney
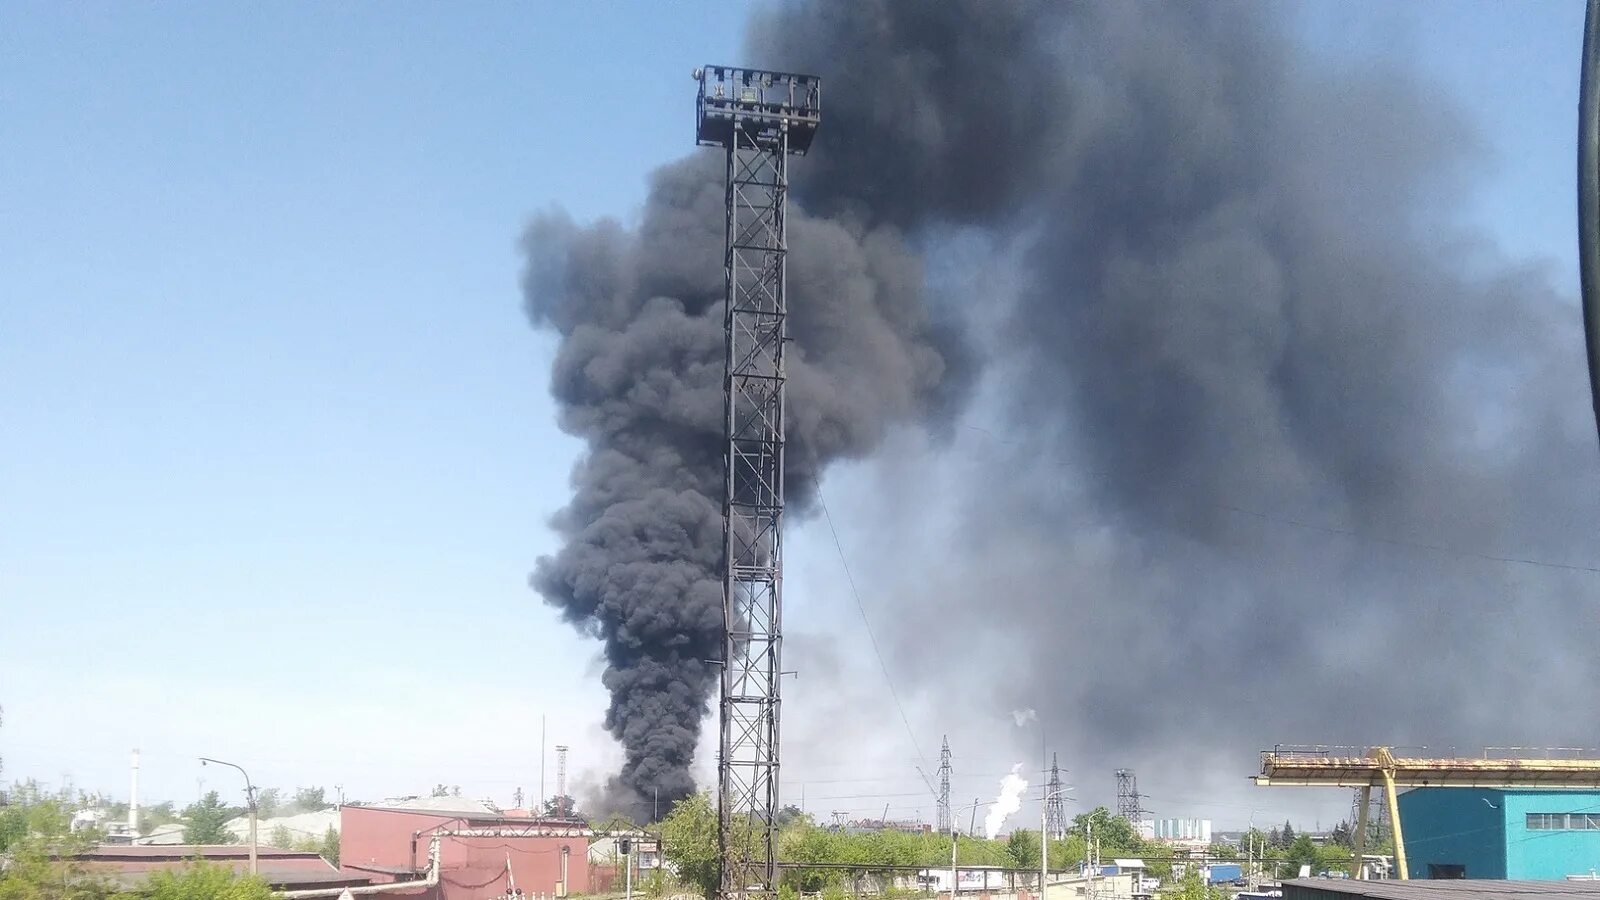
133,796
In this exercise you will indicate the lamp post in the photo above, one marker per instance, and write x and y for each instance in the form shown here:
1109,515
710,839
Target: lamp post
1044,839
250,797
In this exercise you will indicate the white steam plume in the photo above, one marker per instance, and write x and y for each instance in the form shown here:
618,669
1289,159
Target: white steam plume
1009,801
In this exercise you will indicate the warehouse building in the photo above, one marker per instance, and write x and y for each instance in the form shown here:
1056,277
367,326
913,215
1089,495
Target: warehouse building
1479,833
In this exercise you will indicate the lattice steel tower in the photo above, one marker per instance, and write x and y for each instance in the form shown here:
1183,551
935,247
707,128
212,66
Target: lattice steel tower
1055,804
1377,815
759,118
944,788
1128,798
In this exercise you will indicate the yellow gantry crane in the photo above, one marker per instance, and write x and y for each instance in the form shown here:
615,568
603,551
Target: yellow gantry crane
1379,767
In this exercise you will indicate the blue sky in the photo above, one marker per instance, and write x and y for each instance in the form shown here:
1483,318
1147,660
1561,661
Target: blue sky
277,452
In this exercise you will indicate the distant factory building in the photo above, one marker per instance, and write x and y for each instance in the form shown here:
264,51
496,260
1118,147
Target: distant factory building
1177,831
1503,834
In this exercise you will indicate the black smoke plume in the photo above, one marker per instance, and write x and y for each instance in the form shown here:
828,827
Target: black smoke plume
1247,366
1272,406
638,376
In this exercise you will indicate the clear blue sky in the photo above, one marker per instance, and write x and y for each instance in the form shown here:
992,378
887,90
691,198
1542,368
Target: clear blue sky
275,447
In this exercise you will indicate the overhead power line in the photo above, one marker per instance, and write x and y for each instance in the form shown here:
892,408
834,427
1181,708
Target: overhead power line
867,623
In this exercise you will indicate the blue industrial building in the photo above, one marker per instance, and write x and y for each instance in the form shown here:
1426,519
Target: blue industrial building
1513,834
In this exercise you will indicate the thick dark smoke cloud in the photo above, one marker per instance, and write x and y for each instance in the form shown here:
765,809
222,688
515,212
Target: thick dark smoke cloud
1243,316
1241,322
638,377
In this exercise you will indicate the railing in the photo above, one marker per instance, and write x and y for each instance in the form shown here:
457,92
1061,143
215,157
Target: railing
1302,752
798,95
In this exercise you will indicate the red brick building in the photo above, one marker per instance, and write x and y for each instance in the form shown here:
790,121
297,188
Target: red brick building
388,844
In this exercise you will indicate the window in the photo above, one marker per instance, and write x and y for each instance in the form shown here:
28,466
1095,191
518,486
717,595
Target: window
1564,821
1446,870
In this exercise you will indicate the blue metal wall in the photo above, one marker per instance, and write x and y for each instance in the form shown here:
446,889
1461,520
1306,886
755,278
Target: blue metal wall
1550,853
1455,826
1487,832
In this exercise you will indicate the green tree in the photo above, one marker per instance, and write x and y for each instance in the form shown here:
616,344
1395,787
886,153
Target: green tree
1302,853
789,815
205,821
281,838
1113,832
1023,846
37,839
268,801
203,882
1222,851
559,807
1286,836
315,799
330,846
689,842
155,815
1193,887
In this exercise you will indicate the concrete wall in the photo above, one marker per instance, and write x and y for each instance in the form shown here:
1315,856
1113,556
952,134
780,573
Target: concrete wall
1550,853
371,840
1454,826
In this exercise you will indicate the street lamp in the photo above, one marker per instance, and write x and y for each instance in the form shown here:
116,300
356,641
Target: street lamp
1044,839
250,796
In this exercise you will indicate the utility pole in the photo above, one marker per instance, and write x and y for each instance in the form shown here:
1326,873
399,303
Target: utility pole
561,782
758,118
1088,855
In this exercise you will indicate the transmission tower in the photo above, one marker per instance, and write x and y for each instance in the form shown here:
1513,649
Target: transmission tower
1377,812
1055,804
563,807
1128,798
944,788
759,118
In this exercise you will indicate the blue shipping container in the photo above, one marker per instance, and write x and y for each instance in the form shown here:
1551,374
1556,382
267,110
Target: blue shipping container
1220,872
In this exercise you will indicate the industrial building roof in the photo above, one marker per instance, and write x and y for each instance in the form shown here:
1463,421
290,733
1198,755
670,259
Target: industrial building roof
126,866
463,806
1438,889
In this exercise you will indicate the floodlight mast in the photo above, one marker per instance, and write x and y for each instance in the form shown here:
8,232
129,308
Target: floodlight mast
759,118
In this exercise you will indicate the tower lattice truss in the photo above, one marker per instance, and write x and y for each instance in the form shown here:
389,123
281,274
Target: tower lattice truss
760,119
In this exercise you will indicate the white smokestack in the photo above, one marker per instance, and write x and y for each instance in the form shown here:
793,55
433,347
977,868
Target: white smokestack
1009,801
133,796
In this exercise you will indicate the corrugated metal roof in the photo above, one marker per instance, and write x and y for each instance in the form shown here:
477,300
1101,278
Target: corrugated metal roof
186,852
459,805
1312,888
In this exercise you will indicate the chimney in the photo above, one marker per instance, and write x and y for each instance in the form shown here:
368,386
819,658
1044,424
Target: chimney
133,796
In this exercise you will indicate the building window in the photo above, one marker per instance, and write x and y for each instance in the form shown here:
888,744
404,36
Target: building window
1564,821
1446,870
